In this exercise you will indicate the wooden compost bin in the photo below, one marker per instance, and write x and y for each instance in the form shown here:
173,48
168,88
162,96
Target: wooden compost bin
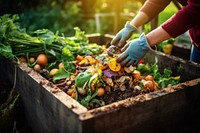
181,51
51,110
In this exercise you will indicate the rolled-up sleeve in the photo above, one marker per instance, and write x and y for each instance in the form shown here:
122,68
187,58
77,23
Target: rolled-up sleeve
154,7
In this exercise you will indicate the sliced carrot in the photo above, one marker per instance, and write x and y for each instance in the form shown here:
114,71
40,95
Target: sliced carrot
70,91
92,61
73,95
103,67
79,58
83,62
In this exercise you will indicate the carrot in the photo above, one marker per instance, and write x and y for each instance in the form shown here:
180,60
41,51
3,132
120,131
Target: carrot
79,58
83,62
103,67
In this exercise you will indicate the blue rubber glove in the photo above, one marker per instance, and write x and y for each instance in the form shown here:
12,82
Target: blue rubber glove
123,35
134,51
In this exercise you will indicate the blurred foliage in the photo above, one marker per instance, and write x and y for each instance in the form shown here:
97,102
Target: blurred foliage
126,8
64,15
166,46
53,16
167,13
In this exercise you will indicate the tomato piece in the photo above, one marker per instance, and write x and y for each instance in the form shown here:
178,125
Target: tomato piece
113,65
140,61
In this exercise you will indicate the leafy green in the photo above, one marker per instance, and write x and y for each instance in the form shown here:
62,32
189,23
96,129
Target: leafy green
86,100
144,68
43,41
15,41
67,54
69,66
161,46
80,37
164,80
82,78
53,15
61,74
6,51
96,101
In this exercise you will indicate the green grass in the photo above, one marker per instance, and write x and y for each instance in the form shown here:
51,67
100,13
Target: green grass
167,13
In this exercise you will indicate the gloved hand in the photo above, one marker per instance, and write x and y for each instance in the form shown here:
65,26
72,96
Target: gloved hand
123,35
134,51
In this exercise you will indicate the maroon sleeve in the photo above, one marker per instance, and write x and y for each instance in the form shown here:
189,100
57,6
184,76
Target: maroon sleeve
184,19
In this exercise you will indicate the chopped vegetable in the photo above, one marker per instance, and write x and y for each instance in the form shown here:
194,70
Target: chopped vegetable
79,58
89,73
113,65
103,67
61,74
61,65
42,59
37,68
149,85
100,91
166,46
108,73
32,59
82,78
52,72
91,60
149,78
81,90
136,75
113,50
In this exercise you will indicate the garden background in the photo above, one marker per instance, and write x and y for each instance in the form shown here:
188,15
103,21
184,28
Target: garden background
92,16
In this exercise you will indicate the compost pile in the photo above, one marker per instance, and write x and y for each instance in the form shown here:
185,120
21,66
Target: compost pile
89,73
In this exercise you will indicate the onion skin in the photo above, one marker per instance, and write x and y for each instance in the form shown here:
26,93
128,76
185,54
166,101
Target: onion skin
81,91
149,85
111,50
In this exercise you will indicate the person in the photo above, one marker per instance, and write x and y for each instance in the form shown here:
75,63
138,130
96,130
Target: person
185,19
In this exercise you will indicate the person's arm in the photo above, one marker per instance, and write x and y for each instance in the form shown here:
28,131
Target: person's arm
150,9
140,19
156,36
